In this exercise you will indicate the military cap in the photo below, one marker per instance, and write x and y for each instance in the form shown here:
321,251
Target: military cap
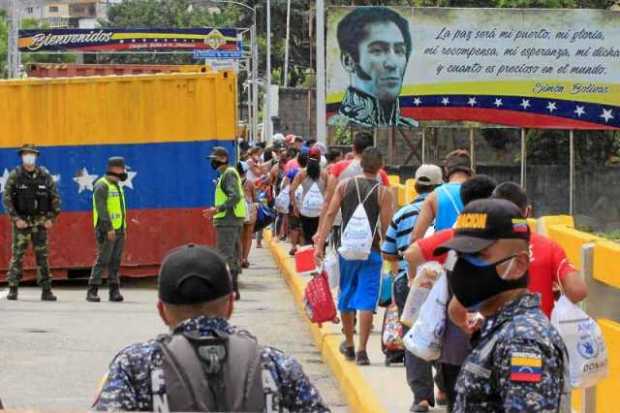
218,152
116,161
28,148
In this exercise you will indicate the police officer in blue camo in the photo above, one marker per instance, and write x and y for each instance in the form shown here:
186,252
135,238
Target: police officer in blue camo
419,372
205,363
519,362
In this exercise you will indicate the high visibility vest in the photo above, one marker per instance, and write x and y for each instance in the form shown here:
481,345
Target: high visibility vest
115,203
221,197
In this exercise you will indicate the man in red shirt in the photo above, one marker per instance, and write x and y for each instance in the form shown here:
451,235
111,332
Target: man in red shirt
548,262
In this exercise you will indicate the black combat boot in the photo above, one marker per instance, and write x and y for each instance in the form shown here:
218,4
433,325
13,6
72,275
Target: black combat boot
12,294
91,295
115,293
48,295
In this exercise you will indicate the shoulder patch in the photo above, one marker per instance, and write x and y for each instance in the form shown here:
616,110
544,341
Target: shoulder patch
526,367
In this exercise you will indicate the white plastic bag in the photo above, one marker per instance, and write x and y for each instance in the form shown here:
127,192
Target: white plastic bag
331,265
587,352
283,200
426,276
357,236
426,337
312,202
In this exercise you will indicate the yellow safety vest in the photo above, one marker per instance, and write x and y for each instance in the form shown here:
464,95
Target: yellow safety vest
221,197
116,205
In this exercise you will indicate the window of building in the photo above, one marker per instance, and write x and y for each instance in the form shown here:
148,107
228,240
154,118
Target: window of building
29,10
53,9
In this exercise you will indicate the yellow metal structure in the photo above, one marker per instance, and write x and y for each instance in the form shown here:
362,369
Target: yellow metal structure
118,109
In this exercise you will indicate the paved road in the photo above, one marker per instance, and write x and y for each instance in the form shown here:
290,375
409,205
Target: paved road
52,355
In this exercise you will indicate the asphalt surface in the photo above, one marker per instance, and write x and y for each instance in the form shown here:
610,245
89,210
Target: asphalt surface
53,355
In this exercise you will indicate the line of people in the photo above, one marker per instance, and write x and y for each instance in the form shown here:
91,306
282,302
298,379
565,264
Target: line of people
503,273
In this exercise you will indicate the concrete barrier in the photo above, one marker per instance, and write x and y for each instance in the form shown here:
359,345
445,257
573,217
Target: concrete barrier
358,393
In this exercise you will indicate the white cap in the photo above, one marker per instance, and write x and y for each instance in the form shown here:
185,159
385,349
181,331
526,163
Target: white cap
429,174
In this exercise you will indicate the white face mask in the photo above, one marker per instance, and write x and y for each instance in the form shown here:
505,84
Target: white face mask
29,159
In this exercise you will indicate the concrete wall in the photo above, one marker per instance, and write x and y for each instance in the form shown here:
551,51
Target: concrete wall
297,112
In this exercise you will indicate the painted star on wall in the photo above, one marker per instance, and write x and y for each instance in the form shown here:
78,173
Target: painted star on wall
85,181
3,179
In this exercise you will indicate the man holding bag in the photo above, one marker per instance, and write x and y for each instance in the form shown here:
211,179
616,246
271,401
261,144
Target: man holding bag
519,363
366,205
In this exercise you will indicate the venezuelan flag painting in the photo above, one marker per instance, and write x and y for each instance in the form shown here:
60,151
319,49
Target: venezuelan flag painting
524,68
170,180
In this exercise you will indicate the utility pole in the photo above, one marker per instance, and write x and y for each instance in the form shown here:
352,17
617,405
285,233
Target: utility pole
321,127
14,61
254,126
288,37
267,132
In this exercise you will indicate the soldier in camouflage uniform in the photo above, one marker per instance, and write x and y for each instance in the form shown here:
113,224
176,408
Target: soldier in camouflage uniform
32,203
196,299
519,363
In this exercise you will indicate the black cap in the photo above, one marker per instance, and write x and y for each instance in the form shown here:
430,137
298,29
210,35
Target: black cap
116,161
193,274
482,223
218,152
28,148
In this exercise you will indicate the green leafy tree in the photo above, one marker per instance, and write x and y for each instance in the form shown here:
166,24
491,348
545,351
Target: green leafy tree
4,40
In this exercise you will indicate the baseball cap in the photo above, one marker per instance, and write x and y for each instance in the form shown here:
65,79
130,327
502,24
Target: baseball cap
482,223
314,153
429,174
218,152
193,274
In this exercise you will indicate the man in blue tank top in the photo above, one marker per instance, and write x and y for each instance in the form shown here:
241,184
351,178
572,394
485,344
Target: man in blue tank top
444,205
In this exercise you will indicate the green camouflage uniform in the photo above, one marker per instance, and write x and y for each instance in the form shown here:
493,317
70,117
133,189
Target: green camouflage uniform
35,232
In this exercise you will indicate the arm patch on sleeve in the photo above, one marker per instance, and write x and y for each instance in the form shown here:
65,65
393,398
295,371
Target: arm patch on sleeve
526,367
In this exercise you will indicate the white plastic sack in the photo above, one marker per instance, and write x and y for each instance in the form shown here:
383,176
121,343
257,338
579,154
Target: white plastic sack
283,200
587,352
331,266
426,337
312,202
299,194
426,276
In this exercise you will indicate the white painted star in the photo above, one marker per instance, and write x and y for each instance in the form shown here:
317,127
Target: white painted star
122,41
580,111
417,101
129,181
3,179
607,115
472,102
498,102
85,181
133,40
551,107
445,101
525,103
56,178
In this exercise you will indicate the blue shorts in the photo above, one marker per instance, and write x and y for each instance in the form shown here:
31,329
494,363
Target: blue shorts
360,282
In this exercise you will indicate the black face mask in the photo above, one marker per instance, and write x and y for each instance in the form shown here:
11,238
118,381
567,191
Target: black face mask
215,164
473,281
122,176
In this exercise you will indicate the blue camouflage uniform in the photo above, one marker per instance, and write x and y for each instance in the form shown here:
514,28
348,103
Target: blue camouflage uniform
520,364
128,385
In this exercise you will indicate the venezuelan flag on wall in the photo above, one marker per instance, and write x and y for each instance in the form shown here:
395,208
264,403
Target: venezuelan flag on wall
163,125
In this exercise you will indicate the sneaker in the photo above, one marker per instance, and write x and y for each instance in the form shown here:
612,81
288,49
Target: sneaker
361,357
12,294
347,352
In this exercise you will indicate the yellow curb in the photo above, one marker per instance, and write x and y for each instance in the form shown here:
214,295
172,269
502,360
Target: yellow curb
357,391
